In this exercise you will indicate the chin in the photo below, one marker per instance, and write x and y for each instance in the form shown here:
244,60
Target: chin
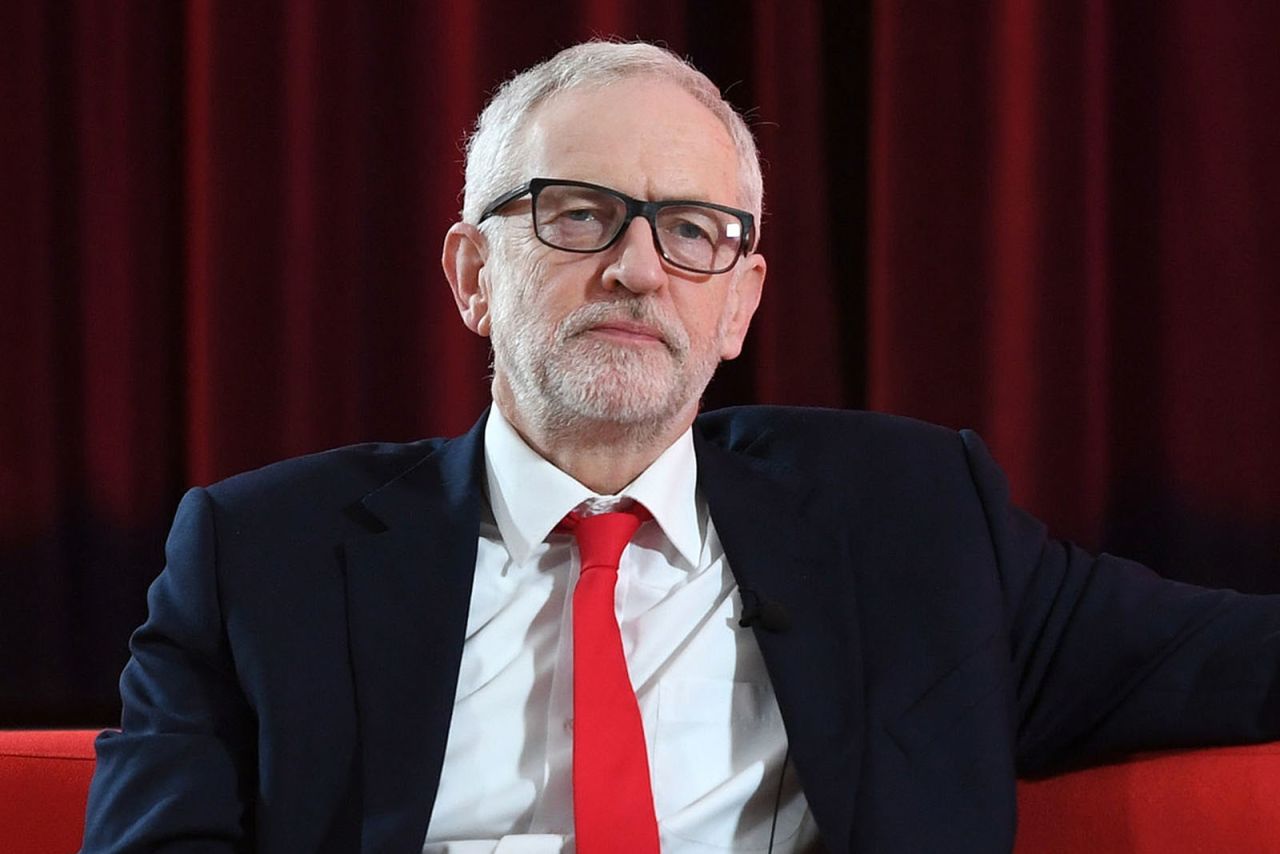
638,398
636,394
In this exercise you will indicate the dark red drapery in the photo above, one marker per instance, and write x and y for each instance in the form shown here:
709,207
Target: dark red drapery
1073,217
221,224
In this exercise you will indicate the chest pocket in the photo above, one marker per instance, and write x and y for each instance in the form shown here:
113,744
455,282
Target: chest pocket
713,742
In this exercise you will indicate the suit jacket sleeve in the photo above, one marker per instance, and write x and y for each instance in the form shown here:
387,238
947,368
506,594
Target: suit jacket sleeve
1110,658
175,778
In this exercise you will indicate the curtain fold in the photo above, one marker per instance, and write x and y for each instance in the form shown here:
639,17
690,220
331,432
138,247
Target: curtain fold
1071,218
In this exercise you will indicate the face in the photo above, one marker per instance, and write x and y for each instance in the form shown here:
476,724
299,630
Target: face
617,336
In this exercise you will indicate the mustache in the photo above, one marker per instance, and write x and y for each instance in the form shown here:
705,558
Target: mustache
635,310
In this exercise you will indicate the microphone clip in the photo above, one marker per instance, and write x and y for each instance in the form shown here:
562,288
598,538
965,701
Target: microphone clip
758,611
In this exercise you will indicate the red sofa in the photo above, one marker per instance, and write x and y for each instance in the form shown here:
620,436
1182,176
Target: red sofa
44,782
1217,800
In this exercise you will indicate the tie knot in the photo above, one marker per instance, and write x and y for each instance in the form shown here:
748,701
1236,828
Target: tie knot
603,536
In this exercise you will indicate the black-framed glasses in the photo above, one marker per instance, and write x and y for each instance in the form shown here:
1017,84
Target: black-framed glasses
576,216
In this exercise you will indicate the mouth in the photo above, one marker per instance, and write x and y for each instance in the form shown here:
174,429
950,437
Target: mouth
627,332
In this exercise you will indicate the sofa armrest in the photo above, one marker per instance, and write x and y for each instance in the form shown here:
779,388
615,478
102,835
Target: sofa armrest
44,784
1211,799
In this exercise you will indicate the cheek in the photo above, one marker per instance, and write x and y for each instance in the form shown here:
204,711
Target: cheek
559,289
704,318
516,281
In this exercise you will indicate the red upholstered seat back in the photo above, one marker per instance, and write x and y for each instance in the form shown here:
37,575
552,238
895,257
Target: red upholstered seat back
44,783
1221,799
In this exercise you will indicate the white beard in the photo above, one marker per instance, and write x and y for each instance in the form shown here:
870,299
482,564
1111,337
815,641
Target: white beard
562,379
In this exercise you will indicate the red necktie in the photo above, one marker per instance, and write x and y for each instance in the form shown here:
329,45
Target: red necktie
612,801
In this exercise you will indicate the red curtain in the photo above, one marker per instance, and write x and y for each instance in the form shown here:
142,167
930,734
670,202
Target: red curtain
221,225
1074,210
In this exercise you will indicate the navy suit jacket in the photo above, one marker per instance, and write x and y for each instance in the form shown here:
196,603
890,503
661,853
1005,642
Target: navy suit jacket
292,687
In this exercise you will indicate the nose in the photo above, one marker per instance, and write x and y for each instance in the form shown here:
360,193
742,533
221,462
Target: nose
637,264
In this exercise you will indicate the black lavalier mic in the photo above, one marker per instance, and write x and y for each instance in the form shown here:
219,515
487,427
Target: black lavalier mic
758,611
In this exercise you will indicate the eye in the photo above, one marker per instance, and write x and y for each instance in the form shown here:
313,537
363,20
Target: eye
581,214
576,210
580,218
691,225
577,219
688,230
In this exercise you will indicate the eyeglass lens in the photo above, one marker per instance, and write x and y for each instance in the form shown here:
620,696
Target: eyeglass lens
582,219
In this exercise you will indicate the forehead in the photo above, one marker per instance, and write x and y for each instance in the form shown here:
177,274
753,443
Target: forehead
646,137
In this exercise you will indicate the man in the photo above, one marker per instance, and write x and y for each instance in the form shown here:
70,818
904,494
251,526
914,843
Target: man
837,633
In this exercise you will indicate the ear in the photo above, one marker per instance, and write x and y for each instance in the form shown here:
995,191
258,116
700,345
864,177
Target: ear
463,260
741,304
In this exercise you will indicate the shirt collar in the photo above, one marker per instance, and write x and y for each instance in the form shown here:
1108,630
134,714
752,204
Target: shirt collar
529,495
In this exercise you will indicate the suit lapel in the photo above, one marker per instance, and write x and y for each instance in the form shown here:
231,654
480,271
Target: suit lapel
785,544
408,593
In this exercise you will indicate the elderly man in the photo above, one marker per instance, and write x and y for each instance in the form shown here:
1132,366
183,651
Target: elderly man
602,621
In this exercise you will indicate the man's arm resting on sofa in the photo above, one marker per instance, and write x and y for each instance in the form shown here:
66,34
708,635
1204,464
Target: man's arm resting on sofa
1112,659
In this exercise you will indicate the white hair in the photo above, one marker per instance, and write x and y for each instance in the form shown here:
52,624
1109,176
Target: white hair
493,151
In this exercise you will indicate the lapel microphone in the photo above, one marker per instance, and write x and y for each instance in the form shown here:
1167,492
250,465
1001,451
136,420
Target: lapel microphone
772,617
758,611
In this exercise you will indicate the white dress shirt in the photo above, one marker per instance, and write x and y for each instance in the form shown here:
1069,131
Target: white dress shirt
714,734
